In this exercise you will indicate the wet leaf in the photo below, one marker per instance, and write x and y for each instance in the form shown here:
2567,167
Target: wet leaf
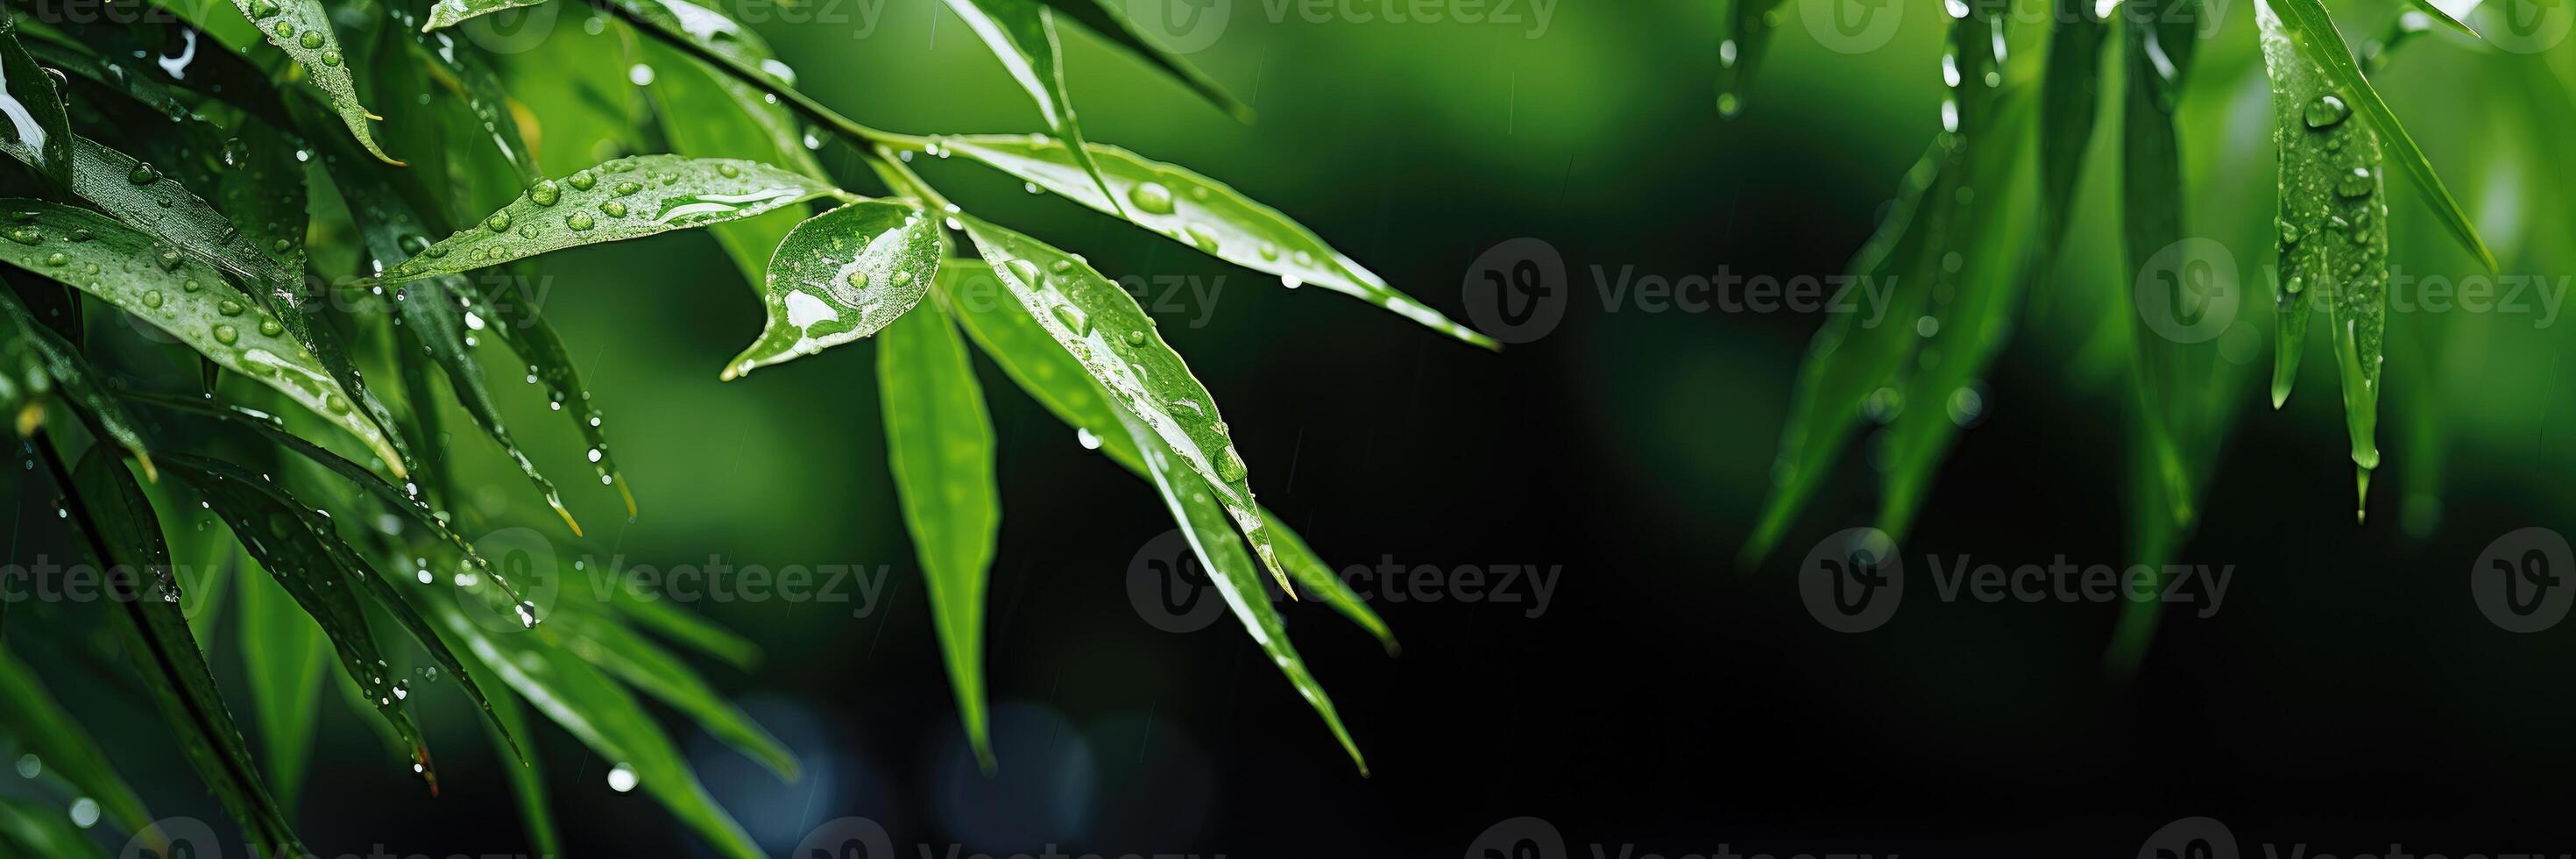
1199,212
38,127
843,275
31,829
707,112
939,443
302,28
2333,224
36,366
1108,19
1021,33
449,13
181,296
626,198
2068,96
647,667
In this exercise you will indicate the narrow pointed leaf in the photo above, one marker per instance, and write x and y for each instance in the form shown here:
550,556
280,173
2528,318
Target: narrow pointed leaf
434,313
1021,33
111,513
2438,13
38,127
516,321
2068,97
1202,213
449,13
2306,24
527,780
302,28
44,729
2333,225
647,667
1108,18
843,275
284,656
939,442
183,297
706,111
627,198
1098,323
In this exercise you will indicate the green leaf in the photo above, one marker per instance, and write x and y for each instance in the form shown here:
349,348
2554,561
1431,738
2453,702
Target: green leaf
1199,212
302,28
2166,375
31,829
38,125
1746,36
449,13
1108,19
112,515
626,198
843,275
283,659
44,729
1030,356
1098,323
2066,109
435,315
2333,224
1021,33
2439,14
646,666
2305,24
939,442
516,321
527,781
707,112
591,707
1021,344
183,297
36,365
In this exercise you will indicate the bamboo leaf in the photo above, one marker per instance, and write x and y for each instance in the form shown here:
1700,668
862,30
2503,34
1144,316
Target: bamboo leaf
38,125
527,781
284,656
1021,33
626,198
183,297
2306,24
449,13
939,442
1020,343
1109,20
44,729
646,666
1199,212
843,275
2068,96
2333,223
302,28
1101,326
2438,13
515,320
707,112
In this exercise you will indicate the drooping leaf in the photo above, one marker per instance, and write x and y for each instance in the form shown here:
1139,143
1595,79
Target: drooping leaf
302,28
44,729
2068,95
1108,18
527,781
939,443
1021,33
646,666
1098,323
596,711
1022,345
1746,34
1030,356
37,123
183,297
2333,222
626,198
1199,212
35,365
843,275
284,656
436,313
515,320
2166,375
2308,27
116,522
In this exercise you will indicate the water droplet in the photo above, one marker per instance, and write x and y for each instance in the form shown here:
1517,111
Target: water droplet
1026,271
499,222
544,193
578,221
143,174
581,180
1135,338
271,327
227,335
626,189
1085,437
1229,465
621,778
26,235
331,58
228,307
262,8
312,40
728,171
152,298
614,208
1152,197
191,286
1073,318
2325,112
2356,183
284,29
57,259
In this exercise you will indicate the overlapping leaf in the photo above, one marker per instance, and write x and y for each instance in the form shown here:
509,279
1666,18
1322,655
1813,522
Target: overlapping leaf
35,364
1021,33
302,28
37,123
1108,18
626,198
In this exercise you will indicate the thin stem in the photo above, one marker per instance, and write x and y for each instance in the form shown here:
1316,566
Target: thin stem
872,142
